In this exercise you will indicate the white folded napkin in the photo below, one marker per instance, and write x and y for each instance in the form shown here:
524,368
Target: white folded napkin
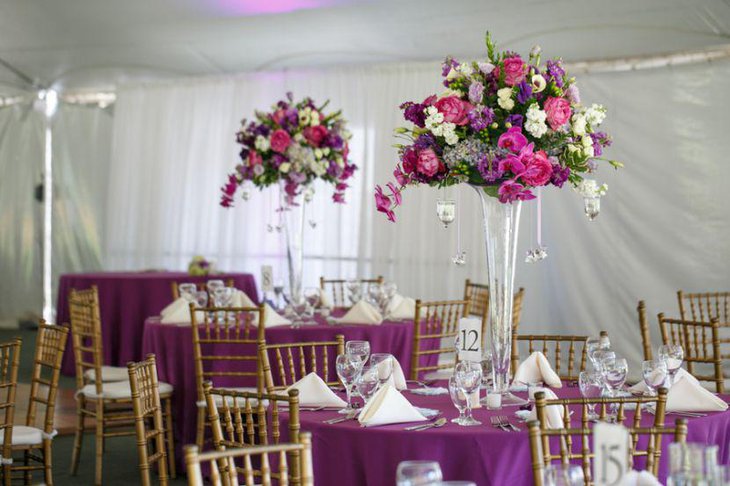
640,478
402,307
324,299
687,395
554,413
388,406
361,313
431,391
537,369
397,378
273,318
174,306
241,299
314,392
178,313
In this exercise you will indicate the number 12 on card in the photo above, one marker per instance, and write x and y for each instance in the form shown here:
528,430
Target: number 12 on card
469,339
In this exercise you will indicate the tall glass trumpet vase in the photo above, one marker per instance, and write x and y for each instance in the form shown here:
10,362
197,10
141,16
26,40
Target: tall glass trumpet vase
293,219
501,225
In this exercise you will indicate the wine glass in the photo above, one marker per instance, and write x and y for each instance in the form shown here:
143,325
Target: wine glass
459,400
354,291
600,356
211,285
468,376
201,298
187,291
358,348
614,371
655,373
383,362
222,296
591,386
563,475
446,211
487,366
673,355
375,295
418,473
593,345
349,368
278,291
312,297
389,291
367,383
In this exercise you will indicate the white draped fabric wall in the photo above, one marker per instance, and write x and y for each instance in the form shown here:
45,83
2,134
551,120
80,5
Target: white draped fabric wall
664,223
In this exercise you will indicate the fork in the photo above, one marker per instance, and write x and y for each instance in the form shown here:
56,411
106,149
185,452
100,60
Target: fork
506,423
337,420
497,424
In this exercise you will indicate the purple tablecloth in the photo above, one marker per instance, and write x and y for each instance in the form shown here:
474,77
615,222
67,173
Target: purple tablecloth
173,346
481,454
126,299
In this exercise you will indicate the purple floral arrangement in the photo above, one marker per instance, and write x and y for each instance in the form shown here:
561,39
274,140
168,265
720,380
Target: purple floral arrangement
293,144
506,124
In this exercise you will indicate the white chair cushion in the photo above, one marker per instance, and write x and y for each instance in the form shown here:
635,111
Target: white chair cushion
108,373
219,399
24,435
119,389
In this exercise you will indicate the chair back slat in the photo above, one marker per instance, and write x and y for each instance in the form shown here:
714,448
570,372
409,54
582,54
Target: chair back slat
704,306
175,287
336,288
436,321
299,360
9,362
49,348
86,338
478,296
644,328
559,350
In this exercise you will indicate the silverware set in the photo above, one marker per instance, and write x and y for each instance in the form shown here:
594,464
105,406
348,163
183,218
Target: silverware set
337,420
652,411
502,422
433,425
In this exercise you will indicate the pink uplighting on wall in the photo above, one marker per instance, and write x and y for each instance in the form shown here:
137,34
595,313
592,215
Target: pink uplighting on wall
262,7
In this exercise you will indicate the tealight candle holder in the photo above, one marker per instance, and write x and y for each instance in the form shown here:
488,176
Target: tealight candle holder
494,400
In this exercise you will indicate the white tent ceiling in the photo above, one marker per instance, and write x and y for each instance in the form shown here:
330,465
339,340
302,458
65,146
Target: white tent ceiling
99,43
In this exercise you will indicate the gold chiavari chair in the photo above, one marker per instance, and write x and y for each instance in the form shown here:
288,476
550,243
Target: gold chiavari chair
335,288
556,349
9,361
266,455
701,344
440,321
567,451
294,361
542,456
29,438
108,403
243,419
148,422
644,328
175,286
704,306
478,296
225,344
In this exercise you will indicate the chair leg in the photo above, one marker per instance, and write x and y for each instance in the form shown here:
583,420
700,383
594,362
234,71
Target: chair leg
80,405
99,441
48,462
200,432
7,474
170,437
26,473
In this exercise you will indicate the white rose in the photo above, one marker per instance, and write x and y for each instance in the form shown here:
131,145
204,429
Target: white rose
504,99
504,93
579,124
262,143
587,143
284,168
536,128
595,115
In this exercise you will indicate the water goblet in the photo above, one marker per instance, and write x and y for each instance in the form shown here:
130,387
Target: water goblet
459,400
367,383
673,355
615,371
418,473
211,285
354,289
201,298
655,373
348,368
468,376
312,295
358,348
222,296
446,211
278,291
600,356
563,475
187,291
383,362
487,367
591,386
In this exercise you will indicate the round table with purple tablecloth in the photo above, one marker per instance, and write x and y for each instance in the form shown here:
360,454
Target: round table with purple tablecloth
172,345
126,299
346,453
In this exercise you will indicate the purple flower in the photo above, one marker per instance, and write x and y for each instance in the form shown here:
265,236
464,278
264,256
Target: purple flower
338,197
524,93
511,191
262,130
573,94
334,170
448,63
476,92
277,160
414,113
600,140
556,72
480,117
333,141
426,141
515,120
489,169
297,177
560,175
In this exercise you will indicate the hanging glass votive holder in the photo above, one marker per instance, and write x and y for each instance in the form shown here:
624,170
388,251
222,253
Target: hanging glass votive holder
446,211
592,206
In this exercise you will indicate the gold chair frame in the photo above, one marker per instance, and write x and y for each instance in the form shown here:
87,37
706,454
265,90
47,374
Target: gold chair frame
337,287
556,341
644,329
303,365
478,295
9,364
175,286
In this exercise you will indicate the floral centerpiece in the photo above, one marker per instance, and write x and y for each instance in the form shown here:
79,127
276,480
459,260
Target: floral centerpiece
199,266
504,126
291,146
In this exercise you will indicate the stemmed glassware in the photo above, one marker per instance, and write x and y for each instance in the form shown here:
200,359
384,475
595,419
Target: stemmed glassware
349,367
201,298
187,291
655,373
459,400
358,348
446,211
673,355
468,376
594,345
367,383
211,285
389,291
278,291
354,291
222,296
591,386
615,370
418,473
563,475
383,363
312,297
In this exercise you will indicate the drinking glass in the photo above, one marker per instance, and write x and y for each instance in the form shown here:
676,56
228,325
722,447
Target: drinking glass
459,400
455,483
603,355
591,386
673,355
389,291
446,211
201,298
418,473
592,206
655,374
615,371
367,383
278,291
468,376
375,295
211,285
487,377
354,291
312,295
563,475
593,345
358,348
348,368
187,291
383,363
222,296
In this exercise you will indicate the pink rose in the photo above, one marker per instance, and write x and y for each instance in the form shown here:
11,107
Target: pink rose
428,162
558,112
514,70
512,140
315,135
280,141
254,158
454,110
538,169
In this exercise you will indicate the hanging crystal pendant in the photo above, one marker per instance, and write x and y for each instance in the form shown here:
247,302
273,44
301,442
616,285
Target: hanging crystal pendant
538,253
592,206
446,211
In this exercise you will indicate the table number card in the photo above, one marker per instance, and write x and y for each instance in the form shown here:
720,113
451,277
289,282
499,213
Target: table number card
267,278
469,339
611,447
